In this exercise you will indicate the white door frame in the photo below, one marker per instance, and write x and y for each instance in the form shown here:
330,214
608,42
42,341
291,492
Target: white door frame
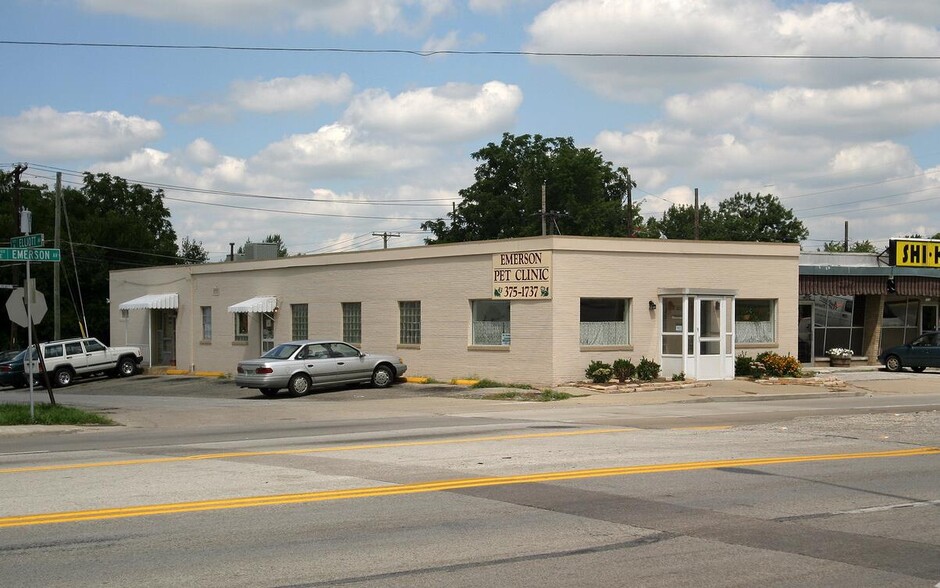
692,362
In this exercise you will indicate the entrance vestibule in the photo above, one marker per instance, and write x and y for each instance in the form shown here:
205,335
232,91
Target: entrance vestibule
698,334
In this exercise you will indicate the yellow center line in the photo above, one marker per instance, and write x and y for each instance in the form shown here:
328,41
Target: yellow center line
435,486
360,447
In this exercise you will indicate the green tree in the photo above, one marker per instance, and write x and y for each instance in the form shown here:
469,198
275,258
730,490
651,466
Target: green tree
192,252
865,246
107,225
742,217
746,217
678,222
584,193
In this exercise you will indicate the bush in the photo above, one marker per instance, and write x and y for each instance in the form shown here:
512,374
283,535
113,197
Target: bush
776,365
742,365
647,370
599,372
680,377
624,369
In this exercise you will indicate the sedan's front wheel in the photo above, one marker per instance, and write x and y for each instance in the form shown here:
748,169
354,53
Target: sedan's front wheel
893,363
383,376
299,384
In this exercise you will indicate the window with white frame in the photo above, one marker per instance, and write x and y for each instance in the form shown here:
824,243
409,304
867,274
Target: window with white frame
490,322
605,321
298,322
206,323
754,320
241,327
352,322
409,322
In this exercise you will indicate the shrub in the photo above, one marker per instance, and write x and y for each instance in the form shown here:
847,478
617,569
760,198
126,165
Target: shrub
624,369
776,365
647,369
599,372
742,365
680,377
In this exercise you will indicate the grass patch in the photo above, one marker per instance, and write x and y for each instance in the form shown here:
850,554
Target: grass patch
484,383
46,414
547,395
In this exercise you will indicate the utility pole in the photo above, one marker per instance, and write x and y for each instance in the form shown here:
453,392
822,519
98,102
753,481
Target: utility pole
18,169
846,249
56,293
543,209
630,186
385,236
696,214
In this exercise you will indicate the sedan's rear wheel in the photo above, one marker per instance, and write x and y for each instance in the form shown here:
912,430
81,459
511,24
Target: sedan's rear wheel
919,368
893,363
383,376
269,392
299,384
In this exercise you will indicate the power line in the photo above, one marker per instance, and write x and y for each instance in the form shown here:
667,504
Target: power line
472,53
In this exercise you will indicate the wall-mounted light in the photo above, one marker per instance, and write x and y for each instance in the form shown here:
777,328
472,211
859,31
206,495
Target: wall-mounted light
652,305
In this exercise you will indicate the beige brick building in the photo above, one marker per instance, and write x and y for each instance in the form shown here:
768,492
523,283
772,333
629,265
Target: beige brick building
535,310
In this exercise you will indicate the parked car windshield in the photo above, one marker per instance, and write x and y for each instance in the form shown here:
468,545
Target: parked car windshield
283,351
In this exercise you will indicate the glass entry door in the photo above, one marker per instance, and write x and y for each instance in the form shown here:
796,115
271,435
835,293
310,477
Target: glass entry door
928,317
712,351
267,332
698,336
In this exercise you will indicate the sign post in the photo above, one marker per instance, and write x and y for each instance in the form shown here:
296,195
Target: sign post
28,247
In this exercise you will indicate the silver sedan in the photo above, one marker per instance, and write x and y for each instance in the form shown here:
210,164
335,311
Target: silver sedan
301,366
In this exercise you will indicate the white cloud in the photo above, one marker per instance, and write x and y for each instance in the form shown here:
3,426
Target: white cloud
290,94
453,112
865,111
342,16
333,151
46,133
919,11
725,27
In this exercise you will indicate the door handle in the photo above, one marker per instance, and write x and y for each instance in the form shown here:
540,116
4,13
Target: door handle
340,363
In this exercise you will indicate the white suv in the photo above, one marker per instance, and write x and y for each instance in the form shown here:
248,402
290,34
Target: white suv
68,358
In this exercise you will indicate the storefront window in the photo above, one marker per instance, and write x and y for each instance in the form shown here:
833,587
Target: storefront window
605,321
837,322
673,327
754,321
490,322
899,323
241,326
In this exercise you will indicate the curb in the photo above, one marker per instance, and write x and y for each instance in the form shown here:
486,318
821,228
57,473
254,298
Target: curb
765,397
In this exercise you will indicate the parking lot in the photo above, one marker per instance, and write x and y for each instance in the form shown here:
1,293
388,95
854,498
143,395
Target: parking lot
202,387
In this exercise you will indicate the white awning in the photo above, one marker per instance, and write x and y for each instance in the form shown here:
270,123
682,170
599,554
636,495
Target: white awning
152,301
256,304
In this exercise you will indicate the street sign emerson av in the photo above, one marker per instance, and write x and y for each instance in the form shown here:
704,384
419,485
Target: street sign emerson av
22,254
27,241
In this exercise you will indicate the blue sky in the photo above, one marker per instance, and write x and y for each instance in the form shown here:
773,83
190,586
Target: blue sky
343,144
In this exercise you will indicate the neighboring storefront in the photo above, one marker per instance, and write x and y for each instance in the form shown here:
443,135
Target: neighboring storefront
867,302
535,310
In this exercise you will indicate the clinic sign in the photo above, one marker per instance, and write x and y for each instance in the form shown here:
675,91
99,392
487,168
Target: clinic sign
522,275
914,253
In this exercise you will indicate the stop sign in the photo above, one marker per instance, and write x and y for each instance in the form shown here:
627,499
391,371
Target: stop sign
16,307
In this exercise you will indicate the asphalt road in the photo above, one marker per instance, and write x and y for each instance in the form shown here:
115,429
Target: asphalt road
408,488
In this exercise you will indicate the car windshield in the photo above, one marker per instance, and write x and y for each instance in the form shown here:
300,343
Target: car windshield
283,351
